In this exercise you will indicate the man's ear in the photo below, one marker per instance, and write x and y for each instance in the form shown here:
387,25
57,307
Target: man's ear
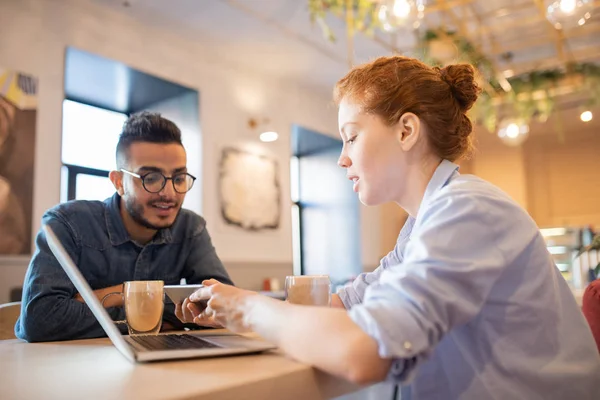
408,130
116,178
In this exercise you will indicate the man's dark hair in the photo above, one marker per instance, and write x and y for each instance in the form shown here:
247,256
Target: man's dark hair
145,127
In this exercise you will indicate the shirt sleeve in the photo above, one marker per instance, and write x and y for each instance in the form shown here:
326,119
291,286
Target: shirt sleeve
451,264
48,310
354,292
203,262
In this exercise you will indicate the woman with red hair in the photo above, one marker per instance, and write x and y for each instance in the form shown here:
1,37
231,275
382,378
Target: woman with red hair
469,305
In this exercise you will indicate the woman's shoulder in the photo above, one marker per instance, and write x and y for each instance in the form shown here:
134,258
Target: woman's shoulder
470,188
471,195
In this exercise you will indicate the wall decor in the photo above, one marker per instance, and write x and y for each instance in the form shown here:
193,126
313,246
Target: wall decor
18,109
249,189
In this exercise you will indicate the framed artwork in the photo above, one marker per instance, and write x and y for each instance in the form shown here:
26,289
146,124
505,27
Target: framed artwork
249,190
18,109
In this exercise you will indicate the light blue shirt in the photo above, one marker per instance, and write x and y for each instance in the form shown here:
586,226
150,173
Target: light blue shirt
470,305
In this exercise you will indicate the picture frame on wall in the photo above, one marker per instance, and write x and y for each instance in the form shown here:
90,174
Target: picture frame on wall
18,113
249,190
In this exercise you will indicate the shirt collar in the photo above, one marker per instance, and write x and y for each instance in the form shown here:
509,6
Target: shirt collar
116,229
442,175
114,223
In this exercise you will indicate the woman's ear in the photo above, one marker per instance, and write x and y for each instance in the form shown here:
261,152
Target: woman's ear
116,178
408,130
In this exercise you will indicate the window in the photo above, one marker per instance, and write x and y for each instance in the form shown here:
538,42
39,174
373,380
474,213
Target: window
89,141
325,210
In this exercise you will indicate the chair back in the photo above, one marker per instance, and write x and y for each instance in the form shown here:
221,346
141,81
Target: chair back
9,313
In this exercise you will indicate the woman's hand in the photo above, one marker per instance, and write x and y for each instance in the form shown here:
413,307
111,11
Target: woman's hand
227,305
188,310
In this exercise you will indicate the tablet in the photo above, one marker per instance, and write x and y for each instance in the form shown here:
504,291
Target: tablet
178,293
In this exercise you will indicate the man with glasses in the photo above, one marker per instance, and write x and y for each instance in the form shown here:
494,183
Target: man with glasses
140,233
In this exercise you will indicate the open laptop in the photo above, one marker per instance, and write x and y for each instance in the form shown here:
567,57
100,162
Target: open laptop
152,347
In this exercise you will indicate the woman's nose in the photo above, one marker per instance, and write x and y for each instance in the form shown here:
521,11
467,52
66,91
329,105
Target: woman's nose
344,161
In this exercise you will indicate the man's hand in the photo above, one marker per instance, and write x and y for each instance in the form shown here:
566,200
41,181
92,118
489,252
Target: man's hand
111,301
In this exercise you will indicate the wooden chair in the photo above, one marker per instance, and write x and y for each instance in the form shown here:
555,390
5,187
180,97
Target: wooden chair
9,313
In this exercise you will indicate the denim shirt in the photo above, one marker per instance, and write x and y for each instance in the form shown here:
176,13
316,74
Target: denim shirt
95,237
470,305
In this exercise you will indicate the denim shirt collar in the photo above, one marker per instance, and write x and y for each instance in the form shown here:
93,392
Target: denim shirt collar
442,175
116,229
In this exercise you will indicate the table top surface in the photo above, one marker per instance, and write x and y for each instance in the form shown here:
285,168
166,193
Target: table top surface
94,368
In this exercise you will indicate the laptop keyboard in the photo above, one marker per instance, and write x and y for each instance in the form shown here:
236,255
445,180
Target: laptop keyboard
173,342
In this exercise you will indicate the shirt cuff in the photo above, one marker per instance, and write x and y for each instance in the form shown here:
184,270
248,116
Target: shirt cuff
343,293
405,346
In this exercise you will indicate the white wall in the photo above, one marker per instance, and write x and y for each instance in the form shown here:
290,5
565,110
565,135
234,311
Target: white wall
35,34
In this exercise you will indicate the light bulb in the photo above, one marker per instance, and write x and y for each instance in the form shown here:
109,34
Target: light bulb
401,8
512,130
568,13
394,14
567,6
586,116
269,136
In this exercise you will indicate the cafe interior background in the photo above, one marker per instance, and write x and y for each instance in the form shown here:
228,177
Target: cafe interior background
249,83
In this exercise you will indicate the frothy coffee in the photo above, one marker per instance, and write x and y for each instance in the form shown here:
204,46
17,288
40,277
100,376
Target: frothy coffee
144,303
308,290
143,310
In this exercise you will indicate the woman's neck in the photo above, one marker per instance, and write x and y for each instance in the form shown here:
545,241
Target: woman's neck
418,176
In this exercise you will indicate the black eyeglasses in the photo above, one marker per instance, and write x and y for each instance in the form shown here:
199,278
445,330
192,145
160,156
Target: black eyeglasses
154,182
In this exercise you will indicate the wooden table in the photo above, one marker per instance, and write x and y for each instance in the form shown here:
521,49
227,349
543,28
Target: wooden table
94,369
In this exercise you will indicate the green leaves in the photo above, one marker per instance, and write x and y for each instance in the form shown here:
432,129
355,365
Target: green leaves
595,245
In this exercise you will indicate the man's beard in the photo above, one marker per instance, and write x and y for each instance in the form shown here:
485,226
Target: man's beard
136,210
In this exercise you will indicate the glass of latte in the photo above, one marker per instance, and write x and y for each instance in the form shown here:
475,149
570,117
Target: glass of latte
144,304
313,290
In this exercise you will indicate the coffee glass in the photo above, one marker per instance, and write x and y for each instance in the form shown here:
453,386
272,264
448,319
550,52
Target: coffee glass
144,305
312,290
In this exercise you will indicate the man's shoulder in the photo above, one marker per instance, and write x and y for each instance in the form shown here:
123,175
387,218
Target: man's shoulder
188,224
77,212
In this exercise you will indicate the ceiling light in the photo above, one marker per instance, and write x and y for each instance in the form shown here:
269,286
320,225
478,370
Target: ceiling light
586,116
394,14
568,13
553,231
567,6
557,249
513,132
269,136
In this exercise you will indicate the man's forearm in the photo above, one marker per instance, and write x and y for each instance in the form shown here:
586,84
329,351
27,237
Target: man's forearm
55,318
111,301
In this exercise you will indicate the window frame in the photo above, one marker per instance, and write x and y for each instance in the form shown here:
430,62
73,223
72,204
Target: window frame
72,171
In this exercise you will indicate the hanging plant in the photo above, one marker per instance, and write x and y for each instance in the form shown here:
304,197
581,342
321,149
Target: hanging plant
595,245
364,15
531,96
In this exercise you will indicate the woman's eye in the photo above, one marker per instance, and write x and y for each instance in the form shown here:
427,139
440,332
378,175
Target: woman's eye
351,140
